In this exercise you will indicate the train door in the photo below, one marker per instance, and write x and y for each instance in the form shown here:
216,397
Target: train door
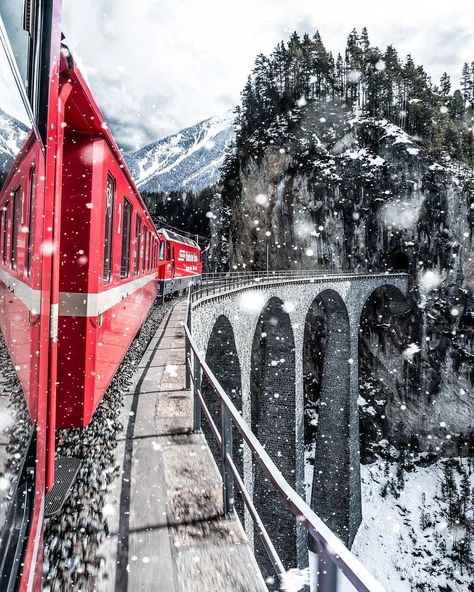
173,262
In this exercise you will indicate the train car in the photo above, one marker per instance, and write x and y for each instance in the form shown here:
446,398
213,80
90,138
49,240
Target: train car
180,263
29,53
109,255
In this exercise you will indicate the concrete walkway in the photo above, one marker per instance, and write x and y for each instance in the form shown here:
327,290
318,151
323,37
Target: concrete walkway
166,533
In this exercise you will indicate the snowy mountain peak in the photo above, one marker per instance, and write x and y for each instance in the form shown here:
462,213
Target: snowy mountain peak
12,135
190,160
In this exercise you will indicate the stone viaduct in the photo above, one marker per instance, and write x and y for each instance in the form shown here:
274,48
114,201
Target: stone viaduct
254,338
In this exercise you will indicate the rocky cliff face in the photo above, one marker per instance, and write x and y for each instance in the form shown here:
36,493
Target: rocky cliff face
345,192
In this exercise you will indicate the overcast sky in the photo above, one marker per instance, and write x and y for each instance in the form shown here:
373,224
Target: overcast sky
156,66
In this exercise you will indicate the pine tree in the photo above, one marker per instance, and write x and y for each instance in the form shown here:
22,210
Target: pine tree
467,84
424,521
445,85
339,80
400,473
391,84
353,66
465,493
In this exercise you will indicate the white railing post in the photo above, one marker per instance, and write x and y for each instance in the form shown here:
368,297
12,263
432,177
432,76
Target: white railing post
326,573
226,451
197,388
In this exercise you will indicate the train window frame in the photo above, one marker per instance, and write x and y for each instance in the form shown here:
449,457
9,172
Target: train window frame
108,229
6,214
16,213
31,200
138,231
126,238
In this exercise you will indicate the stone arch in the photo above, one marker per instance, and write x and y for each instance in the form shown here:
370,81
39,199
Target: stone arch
222,358
387,324
327,349
272,390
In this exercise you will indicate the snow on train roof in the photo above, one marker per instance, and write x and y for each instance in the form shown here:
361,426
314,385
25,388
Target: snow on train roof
171,235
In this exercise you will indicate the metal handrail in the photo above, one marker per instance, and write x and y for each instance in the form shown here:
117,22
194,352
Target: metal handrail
332,552
212,284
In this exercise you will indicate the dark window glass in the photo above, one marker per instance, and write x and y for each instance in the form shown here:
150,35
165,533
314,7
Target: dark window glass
138,230
30,220
14,119
12,13
149,253
15,222
127,222
144,249
23,23
5,231
109,214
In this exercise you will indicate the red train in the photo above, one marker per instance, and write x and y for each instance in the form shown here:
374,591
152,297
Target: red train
81,264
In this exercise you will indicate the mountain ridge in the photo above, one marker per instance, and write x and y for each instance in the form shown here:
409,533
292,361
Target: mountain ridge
190,159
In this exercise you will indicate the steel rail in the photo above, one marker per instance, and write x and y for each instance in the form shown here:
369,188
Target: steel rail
331,548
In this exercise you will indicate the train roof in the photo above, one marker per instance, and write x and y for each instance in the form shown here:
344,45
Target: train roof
83,115
179,238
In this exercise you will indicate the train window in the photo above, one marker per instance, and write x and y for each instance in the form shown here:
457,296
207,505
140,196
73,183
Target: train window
138,229
126,225
109,213
26,33
168,256
31,210
144,249
149,253
162,250
15,222
14,118
5,231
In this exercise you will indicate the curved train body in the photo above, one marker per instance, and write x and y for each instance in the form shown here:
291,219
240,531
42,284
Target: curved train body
179,262
81,264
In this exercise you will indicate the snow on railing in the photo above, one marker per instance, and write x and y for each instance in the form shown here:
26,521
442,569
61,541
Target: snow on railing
332,554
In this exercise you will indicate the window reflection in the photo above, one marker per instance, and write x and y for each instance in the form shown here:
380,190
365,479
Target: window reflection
14,121
15,331
12,13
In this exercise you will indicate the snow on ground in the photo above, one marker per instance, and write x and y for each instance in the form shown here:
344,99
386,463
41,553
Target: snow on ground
391,542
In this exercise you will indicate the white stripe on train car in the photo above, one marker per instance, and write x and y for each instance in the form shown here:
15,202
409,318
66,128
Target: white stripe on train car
31,298
77,304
